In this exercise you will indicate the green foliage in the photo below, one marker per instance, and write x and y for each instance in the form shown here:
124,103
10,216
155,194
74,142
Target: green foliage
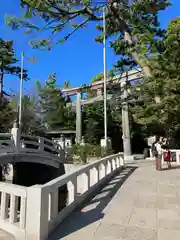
7,61
84,153
31,119
6,116
100,76
133,25
162,117
94,119
55,113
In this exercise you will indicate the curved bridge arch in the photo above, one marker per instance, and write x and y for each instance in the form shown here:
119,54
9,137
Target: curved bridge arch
15,147
31,158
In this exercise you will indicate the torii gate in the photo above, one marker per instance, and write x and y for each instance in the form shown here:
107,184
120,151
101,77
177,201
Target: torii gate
132,75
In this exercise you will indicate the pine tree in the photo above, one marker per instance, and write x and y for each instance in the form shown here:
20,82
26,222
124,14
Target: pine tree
134,24
6,116
8,63
162,118
31,122
53,106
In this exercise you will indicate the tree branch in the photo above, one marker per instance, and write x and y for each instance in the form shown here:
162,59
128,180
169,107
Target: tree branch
76,28
125,30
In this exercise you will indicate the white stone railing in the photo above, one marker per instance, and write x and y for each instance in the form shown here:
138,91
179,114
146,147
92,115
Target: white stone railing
13,209
6,143
173,151
41,145
42,214
17,143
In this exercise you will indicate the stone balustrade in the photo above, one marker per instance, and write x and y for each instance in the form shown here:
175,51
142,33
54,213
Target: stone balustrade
175,153
17,144
43,215
13,209
33,212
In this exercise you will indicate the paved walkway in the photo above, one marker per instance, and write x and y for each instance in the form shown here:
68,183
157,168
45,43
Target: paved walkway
145,207
5,236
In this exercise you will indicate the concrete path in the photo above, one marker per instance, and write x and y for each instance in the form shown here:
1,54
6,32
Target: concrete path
5,236
138,204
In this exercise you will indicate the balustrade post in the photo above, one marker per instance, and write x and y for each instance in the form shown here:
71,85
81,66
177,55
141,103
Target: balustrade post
107,168
121,160
16,137
117,162
54,203
98,172
111,162
177,156
75,183
41,144
37,213
88,175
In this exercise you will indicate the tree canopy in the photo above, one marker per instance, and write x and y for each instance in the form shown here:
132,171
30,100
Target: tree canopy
164,117
55,113
134,24
8,62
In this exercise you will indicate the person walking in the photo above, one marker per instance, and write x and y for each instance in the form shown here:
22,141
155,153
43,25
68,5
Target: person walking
158,155
168,157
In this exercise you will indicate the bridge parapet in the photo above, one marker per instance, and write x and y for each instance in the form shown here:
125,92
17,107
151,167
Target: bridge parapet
17,143
81,184
13,209
32,212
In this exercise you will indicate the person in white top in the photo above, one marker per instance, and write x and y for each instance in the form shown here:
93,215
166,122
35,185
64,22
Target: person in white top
159,155
158,148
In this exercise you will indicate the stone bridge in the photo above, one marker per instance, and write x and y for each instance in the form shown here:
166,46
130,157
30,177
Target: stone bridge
107,200
16,147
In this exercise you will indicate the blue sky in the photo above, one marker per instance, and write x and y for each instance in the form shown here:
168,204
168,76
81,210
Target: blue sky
77,60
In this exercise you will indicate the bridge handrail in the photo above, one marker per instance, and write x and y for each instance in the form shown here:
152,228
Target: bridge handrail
21,143
6,143
60,181
6,134
13,207
96,173
34,211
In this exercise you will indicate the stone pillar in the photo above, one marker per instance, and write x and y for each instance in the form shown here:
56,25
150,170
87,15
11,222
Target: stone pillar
78,118
62,141
16,136
37,213
82,141
125,125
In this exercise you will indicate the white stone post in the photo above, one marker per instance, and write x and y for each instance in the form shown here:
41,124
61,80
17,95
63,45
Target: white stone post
37,213
177,157
121,160
41,144
16,136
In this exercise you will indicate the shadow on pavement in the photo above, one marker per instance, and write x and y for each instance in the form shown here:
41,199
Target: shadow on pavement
172,168
92,210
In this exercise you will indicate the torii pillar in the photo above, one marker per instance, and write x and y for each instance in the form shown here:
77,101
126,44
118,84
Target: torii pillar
125,124
78,118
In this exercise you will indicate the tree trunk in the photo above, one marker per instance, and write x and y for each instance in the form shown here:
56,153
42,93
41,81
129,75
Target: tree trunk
142,62
124,29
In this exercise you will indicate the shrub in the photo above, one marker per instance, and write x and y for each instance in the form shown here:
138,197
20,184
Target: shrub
82,153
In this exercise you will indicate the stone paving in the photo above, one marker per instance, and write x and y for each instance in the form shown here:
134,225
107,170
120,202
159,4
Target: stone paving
146,206
5,236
